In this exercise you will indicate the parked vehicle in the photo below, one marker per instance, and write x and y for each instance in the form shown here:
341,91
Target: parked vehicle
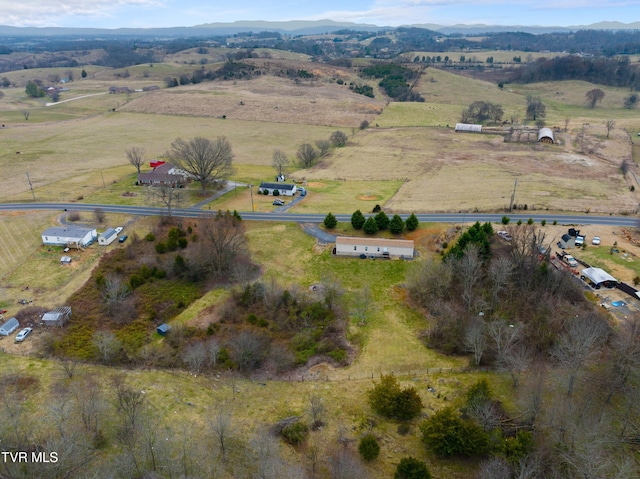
504,235
22,335
122,239
595,240
568,259
278,203
579,240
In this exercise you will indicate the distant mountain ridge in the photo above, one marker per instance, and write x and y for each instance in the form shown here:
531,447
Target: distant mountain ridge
294,27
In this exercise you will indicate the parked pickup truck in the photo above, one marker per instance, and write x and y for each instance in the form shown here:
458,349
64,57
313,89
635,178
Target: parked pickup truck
568,259
580,240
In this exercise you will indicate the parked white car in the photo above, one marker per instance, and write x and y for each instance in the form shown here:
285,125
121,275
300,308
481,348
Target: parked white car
595,240
22,335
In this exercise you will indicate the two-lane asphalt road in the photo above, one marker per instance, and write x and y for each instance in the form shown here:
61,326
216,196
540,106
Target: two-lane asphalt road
628,221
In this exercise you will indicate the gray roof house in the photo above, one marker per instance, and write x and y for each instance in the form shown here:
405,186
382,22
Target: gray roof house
68,235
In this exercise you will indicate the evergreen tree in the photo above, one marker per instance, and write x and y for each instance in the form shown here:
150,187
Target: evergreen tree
396,225
368,447
370,226
382,220
357,220
412,222
84,74
411,468
330,221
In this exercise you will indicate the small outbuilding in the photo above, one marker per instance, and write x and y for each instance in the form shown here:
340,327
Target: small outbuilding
163,329
9,327
107,237
545,135
68,236
57,317
65,260
283,189
374,247
468,127
598,278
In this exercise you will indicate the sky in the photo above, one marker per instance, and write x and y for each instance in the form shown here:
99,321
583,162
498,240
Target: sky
173,13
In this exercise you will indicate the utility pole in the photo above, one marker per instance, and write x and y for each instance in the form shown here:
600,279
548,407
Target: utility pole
31,187
251,190
103,185
513,195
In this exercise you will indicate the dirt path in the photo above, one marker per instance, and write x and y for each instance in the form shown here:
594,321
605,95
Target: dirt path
76,98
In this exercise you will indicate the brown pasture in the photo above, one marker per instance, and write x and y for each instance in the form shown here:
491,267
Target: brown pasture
266,99
448,171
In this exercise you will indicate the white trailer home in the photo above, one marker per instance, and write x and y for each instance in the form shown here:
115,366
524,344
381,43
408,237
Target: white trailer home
107,237
69,236
376,247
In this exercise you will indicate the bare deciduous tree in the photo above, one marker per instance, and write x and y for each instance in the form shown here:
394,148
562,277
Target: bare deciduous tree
99,215
316,411
280,162
430,281
107,344
516,360
362,305
609,125
470,267
205,160
494,468
504,335
594,96
136,156
166,195
324,146
475,339
221,425
195,355
307,155
114,290
579,344
130,404
213,352
223,241
500,272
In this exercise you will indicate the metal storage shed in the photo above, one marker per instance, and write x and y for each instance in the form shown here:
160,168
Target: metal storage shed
599,277
57,317
545,135
9,327
107,237
468,127
163,329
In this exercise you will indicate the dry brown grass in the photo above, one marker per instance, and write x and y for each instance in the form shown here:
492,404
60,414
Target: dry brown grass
266,99
448,171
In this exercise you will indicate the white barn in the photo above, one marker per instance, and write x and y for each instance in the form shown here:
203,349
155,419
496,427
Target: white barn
376,247
284,189
107,237
68,236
